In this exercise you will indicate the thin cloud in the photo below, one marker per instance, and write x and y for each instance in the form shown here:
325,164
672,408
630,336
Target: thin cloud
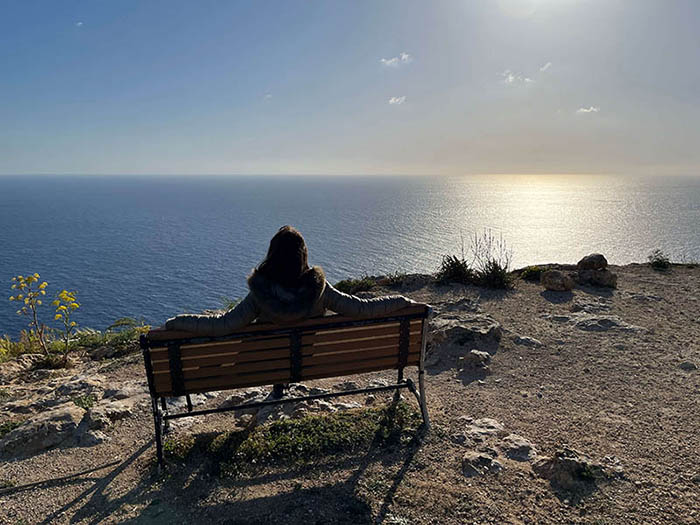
510,77
78,24
546,67
402,58
267,96
592,109
397,100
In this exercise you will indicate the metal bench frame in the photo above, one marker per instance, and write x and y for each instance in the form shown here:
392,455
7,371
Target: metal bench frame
161,414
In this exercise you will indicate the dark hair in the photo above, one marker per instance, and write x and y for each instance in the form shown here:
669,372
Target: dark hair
287,257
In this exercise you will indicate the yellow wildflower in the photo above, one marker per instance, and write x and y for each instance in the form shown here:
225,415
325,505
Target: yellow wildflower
56,302
36,275
57,317
43,292
73,323
43,285
74,305
12,298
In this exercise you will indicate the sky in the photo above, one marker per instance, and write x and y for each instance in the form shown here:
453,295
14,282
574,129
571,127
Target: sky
350,87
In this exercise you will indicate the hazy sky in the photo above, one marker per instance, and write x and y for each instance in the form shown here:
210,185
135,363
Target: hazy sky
433,87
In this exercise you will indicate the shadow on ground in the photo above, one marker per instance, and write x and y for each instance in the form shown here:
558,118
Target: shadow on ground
214,480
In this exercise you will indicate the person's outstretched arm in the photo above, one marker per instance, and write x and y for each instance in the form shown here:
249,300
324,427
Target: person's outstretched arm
239,316
353,306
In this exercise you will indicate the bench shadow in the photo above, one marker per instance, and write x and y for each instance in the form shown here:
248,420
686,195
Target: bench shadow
327,490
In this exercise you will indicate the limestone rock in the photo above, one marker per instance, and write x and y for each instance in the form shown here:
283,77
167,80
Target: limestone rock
477,463
104,414
527,341
598,278
11,369
462,328
127,390
475,360
92,438
556,281
569,469
483,428
82,385
602,323
43,431
518,448
594,261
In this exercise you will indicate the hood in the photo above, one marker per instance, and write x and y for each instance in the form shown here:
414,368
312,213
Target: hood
281,304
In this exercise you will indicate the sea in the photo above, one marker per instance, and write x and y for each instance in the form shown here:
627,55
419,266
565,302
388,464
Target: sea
150,247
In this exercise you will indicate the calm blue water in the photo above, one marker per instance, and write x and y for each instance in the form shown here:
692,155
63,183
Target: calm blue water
152,247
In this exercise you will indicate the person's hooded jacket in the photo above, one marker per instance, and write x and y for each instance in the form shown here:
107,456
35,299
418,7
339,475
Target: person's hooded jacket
271,302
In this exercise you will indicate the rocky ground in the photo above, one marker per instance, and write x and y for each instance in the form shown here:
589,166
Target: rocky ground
578,406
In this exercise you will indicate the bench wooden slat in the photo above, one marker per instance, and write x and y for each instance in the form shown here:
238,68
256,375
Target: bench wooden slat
159,334
243,380
221,347
355,356
228,358
238,368
354,333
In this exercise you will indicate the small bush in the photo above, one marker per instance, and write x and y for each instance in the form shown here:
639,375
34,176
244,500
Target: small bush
353,286
492,259
659,260
396,278
454,269
86,402
8,426
531,273
490,266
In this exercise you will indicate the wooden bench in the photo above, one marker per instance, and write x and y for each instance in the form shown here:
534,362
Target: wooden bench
180,363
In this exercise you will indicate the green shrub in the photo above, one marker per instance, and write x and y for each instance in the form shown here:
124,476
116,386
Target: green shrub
86,402
490,265
659,260
492,259
531,273
353,286
454,269
8,426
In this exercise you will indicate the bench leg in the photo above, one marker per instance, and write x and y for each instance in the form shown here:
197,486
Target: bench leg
422,400
158,421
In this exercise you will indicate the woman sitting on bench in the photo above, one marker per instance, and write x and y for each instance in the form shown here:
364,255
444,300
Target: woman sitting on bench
284,289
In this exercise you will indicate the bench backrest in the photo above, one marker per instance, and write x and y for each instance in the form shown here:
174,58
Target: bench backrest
179,363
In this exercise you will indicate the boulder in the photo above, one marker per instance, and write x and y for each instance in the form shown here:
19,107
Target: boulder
43,431
594,261
597,278
556,281
478,463
569,469
518,448
475,360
